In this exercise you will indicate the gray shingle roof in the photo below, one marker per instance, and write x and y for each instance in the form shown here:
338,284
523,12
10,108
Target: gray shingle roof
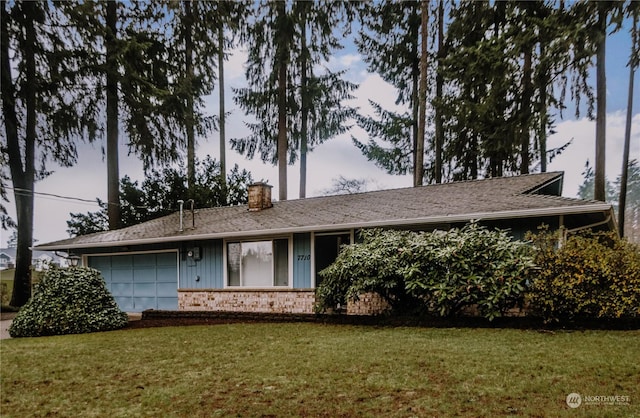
495,198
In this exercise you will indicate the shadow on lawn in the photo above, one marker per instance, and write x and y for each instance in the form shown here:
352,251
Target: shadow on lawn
153,318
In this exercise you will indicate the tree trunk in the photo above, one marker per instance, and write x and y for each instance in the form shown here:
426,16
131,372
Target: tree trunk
439,134
415,77
22,169
281,62
622,202
601,112
189,121
223,157
525,113
419,173
113,172
305,108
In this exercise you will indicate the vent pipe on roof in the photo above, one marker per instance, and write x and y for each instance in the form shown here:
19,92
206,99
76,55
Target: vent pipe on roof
259,196
181,203
193,213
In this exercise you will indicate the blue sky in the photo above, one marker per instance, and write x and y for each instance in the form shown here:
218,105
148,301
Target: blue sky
337,157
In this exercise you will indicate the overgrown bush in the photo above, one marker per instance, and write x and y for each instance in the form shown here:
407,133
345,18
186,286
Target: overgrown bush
374,265
592,275
440,273
68,301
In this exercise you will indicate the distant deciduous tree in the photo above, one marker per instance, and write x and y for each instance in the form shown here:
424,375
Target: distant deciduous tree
160,191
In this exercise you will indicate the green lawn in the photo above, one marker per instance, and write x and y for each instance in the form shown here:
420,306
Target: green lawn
301,369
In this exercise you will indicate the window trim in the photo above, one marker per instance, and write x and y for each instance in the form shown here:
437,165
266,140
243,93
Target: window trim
225,262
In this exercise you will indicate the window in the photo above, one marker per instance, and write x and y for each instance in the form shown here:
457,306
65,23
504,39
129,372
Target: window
258,263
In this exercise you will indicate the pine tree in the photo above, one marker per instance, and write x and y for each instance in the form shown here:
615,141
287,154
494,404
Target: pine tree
196,56
634,60
279,56
389,43
45,109
133,78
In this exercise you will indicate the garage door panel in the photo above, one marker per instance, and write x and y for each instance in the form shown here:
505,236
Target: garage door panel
121,289
166,289
120,275
144,260
140,281
150,302
166,259
168,304
166,274
144,289
145,275
100,263
125,303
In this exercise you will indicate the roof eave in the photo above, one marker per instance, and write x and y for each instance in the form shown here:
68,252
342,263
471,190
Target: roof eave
513,214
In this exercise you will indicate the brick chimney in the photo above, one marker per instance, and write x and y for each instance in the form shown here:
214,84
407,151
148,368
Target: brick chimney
259,196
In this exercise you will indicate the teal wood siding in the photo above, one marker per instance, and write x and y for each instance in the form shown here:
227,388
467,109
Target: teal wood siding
205,273
302,261
140,281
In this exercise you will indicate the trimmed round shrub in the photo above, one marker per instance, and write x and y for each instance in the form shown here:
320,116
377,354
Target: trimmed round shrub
68,301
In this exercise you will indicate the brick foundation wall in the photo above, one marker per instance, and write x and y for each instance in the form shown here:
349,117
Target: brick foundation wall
367,304
267,301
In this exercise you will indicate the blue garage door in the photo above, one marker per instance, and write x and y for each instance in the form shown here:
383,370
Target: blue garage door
140,281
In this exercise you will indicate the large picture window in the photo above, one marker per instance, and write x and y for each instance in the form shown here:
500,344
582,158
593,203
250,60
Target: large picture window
258,263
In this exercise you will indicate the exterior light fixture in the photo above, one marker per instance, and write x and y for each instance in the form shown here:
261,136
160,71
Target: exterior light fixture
73,260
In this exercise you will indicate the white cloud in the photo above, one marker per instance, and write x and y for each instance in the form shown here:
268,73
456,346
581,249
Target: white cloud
573,159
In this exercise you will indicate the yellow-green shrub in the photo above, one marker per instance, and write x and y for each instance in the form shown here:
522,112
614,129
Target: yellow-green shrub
592,275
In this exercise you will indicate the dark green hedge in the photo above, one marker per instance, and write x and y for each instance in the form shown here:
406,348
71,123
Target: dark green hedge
68,301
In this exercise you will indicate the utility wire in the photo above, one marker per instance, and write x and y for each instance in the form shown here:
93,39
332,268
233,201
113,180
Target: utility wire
25,192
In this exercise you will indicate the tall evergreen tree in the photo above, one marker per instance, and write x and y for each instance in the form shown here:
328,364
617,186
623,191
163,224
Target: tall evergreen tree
196,55
634,60
389,44
45,110
128,62
278,58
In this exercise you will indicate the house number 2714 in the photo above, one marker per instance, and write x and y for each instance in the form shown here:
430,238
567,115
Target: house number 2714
304,257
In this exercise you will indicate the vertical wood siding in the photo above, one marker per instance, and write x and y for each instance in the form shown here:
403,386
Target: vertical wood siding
206,273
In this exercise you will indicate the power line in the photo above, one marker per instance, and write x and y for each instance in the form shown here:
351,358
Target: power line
25,192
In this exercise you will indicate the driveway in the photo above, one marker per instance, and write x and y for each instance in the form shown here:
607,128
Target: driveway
5,322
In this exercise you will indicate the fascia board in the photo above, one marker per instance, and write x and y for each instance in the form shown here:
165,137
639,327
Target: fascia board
479,216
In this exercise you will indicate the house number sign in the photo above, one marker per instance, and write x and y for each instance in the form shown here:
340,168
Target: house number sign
304,257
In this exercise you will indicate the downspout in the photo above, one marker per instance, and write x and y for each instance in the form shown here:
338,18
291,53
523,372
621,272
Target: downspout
181,203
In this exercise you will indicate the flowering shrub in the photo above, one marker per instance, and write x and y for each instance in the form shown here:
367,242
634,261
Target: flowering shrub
68,301
440,272
594,275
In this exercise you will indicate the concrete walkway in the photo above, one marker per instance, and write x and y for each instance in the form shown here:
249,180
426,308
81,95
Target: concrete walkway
5,323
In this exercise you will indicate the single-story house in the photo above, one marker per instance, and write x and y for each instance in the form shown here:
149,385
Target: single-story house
265,256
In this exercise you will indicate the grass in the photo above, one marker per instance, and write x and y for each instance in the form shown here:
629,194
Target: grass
265,370
6,285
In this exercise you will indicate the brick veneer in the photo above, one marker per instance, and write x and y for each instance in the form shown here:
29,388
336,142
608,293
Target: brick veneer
295,301
267,300
367,304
